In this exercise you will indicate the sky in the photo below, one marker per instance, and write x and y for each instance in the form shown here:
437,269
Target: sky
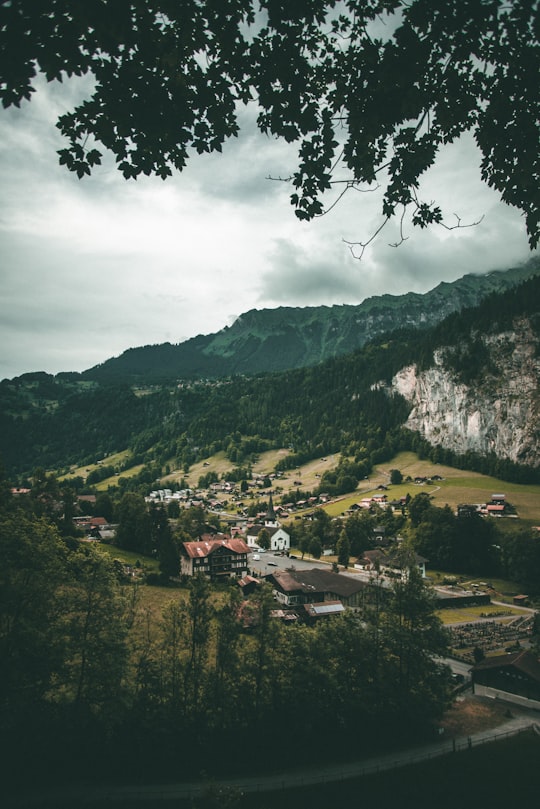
92,267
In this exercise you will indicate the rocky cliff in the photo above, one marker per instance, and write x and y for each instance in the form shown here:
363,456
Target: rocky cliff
499,412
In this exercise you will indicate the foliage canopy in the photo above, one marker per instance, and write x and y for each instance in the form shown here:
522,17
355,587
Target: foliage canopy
368,89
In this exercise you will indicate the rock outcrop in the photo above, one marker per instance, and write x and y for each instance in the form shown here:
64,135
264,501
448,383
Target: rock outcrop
499,413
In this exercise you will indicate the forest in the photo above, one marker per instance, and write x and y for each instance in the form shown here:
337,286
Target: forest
93,680
97,676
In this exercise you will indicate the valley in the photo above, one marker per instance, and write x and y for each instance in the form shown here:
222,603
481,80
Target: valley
457,485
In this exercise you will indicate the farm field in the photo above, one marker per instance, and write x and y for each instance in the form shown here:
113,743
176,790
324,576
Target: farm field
457,486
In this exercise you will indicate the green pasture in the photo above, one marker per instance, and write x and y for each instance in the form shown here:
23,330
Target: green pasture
103,485
457,486
83,471
131,558
470,614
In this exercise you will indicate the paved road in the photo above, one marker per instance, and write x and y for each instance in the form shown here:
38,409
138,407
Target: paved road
520,720
270,562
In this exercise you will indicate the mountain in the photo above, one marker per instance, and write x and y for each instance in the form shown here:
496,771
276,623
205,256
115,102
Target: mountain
288,337
465,391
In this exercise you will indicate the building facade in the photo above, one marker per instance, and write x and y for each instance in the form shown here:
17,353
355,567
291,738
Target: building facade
217,557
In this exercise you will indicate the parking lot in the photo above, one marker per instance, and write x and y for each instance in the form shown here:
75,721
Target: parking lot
269,562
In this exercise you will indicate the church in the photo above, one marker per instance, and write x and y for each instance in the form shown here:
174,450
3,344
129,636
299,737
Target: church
280,540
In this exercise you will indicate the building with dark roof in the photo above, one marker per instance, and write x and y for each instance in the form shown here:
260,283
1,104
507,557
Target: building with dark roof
294,587
513,677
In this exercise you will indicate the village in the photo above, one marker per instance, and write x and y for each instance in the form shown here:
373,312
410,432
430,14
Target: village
494,646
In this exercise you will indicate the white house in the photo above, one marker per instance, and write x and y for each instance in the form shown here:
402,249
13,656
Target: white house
280,540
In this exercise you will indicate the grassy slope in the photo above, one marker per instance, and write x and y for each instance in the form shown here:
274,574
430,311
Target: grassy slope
457,486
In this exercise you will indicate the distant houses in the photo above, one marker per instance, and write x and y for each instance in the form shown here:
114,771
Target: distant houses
497,507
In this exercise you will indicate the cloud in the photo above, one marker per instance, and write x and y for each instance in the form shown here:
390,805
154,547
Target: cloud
93,267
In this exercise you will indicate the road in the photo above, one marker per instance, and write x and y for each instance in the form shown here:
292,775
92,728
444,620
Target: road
269,562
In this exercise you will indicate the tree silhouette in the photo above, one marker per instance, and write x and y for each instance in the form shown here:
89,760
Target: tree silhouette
366,102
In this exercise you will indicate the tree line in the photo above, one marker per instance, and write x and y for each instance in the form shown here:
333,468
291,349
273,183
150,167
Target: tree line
91,680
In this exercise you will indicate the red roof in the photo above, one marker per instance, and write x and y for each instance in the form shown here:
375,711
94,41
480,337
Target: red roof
204,547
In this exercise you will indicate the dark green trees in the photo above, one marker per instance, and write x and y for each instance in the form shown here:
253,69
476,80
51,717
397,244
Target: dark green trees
343,549
413,638
33,648
263,538
134,530
361,103
96,630
62,620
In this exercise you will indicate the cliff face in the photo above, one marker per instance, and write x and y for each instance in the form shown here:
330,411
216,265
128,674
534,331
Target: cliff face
497,413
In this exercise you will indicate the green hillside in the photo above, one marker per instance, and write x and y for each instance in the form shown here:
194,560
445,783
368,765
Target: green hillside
337,406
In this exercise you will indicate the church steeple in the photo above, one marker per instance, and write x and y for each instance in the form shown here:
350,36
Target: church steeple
271,514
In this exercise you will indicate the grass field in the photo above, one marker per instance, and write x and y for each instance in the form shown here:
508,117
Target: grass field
470,614
457,485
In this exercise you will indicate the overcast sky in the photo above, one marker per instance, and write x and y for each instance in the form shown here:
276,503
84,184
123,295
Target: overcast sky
95,266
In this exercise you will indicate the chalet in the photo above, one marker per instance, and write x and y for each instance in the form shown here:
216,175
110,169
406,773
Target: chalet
248,584
496,509
316,586
216,556
93,526
512,677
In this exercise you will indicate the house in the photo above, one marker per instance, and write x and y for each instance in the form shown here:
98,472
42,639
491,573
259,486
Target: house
512,677
495,510
216,556
280,540
389,563
297,587
248,584
370,560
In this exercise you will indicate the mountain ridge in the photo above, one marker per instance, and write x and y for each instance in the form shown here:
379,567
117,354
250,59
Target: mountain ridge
292,337
473,382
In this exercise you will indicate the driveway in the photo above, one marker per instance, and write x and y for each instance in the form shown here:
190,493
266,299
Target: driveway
269,562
